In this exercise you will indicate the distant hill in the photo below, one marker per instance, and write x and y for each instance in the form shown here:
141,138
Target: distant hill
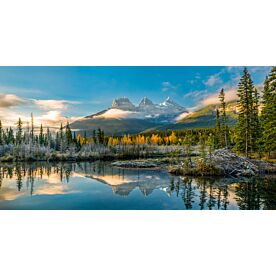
205,117
113,126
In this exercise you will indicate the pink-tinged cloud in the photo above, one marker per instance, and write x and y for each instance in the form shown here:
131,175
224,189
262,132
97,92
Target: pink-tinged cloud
54,104
230,95
117,114
9,100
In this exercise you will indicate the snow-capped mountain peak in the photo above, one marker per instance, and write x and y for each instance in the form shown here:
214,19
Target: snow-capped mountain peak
123,103
166,111
145,102
169,102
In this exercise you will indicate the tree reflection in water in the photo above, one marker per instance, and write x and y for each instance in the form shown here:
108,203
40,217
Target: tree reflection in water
196,193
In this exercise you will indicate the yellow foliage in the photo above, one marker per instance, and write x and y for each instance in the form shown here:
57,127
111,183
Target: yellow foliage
126,140
155,139
173,138
139,140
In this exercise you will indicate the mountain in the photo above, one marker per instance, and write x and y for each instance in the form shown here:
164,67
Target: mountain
123,103
204,117
124,117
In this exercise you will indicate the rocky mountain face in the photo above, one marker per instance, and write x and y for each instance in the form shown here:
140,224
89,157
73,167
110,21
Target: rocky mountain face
123,103
124,117
148,109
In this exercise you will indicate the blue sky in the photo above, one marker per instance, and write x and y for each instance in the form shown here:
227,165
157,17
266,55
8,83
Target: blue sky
55,93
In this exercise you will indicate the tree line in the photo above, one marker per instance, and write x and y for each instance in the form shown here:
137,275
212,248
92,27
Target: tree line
255,131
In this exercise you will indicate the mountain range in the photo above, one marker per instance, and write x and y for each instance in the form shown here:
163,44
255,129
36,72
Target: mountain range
123,117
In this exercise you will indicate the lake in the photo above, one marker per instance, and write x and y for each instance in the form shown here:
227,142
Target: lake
99,186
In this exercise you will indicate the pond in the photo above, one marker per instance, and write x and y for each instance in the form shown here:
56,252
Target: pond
99,186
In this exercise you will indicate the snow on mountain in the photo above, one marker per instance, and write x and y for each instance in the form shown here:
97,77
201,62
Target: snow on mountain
145,102
124,117
124,108
125,113
123,103
148,107
169,104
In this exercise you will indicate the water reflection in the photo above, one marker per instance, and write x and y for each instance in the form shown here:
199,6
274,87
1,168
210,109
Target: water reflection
98,185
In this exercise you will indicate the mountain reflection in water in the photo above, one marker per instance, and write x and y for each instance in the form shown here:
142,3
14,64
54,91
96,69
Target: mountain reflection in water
98,185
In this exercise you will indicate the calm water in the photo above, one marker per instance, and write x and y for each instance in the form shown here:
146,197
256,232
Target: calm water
100,186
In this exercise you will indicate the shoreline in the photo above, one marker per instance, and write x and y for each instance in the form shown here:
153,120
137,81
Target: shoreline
174,166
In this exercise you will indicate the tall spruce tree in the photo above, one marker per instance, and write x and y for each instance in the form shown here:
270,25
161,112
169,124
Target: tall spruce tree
94,136
41,136
268,114
224,127
244,133
217,130
1,134
32,128
61,138
256,130
19,132
68,134
48,137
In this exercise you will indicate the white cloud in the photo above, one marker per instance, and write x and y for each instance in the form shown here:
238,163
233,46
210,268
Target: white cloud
230,95
10,110
9,100
183,115
167,86
117,114
212,80
54,104
53,118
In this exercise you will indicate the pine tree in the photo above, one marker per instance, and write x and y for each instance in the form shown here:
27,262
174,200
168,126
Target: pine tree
9,136
68,135
202,144
57,142
99,136
61,138
27,134
19,132
94,136
48,137
224,140
1,134
217,130
256,130
41,136
32,128
268,115
244,137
